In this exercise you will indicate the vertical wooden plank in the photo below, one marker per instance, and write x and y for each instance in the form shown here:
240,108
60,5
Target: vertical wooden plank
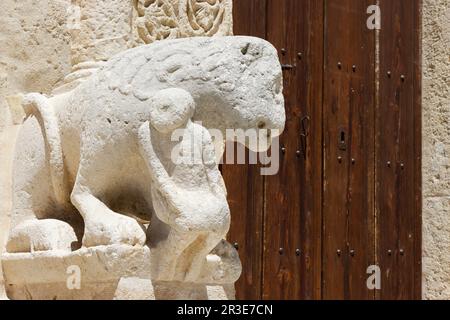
310,84
348,204
280,281
245,197
397,149
361,229
244,182
293,196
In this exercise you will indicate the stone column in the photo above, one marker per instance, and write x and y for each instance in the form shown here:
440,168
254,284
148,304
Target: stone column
99,29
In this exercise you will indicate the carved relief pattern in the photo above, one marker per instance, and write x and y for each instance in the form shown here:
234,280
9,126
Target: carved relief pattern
205,17
169,19
156,20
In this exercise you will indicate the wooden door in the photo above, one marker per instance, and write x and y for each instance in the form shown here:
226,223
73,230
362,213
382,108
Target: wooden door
335,207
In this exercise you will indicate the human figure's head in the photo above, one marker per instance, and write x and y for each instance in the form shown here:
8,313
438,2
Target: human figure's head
171,109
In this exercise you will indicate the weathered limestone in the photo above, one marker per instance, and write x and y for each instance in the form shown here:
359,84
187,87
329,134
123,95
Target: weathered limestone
170,19
47,274
144,289
106,272
98,30
35,48
7,139
30,236
93,131
190,203
101,160
33,58
436,149
101,29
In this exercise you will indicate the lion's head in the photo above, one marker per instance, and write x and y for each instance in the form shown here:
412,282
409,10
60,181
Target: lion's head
236,82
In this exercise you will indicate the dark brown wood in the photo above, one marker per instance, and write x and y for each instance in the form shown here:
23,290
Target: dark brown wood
326,202
293,196
280,271
249,17
310,79
244,182
398,192
245,197
348,210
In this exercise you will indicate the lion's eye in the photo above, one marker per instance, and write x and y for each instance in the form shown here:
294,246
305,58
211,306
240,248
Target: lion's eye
244,49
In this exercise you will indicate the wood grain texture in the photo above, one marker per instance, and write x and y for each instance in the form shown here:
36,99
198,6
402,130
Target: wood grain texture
293,197
397,210
348,211
369,208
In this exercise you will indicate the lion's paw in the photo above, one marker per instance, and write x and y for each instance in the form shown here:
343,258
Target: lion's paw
41,235
112,228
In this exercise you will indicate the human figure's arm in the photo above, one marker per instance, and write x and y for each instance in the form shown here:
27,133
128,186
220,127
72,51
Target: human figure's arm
157,171
211,166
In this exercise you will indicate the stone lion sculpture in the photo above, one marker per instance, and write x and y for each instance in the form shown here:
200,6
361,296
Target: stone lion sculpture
92,166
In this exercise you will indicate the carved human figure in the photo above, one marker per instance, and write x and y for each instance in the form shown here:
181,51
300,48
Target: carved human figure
188,193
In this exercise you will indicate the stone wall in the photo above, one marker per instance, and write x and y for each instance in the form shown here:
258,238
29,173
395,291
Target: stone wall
34,57
35,47
436,149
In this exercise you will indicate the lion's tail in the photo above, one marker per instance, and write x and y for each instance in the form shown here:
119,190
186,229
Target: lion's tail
38,105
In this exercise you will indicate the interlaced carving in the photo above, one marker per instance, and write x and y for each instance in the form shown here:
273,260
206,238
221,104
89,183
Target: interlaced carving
168,19
156,20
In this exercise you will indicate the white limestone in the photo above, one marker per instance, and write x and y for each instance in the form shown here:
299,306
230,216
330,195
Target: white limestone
171,19
118,272
53,274
100,160
143,289
97,31
45,234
